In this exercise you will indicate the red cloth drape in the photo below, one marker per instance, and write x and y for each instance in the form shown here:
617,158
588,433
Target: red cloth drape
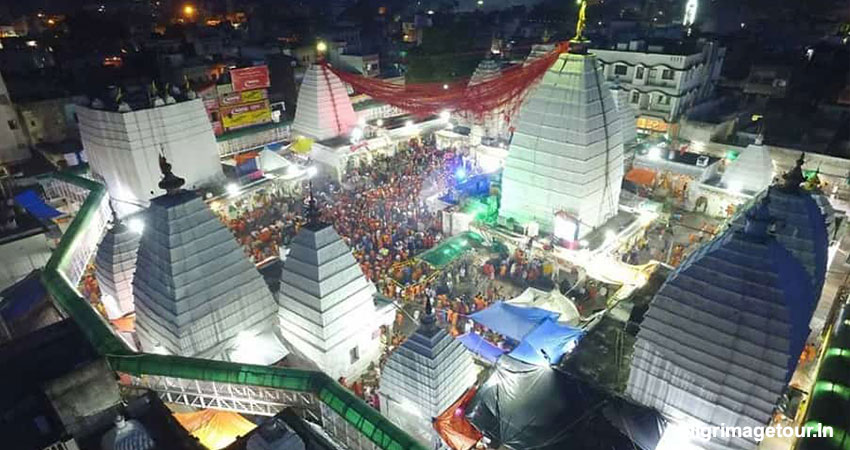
501,95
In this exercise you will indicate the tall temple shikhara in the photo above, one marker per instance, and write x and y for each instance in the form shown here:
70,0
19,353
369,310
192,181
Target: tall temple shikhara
327,306
723,335
567,150
324,109
196,293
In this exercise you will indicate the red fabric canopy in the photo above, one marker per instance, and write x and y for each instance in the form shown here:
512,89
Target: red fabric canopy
502,95
453,427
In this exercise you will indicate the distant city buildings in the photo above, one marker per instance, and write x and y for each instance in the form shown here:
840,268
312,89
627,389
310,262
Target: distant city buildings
665,80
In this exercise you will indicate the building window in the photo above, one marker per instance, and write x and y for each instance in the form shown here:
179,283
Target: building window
620,69
354,354
639,73
635,97
13,124
663,100
667,74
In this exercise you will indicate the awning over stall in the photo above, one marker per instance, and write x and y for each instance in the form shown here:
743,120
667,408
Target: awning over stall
481,347
512,321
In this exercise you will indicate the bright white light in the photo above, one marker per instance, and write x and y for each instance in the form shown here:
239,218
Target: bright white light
676,437
136,225
480,2
356,135
646,217
408,123
311,171
690,13
380,122
430,12
654,153
445,86
735,187
445,116
249,347
698,146
489,165
743,24
232,189
32,44
565,227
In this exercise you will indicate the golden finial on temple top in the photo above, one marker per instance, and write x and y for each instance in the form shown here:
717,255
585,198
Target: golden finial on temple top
582,19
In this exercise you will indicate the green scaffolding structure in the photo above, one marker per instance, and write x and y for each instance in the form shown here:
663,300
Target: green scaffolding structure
829,401
356,412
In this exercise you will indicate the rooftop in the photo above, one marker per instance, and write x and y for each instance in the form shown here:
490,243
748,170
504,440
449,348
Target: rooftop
685,47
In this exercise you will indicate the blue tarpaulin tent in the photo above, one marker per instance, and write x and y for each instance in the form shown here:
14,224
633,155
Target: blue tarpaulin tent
30,201
481,347
550,339
512,321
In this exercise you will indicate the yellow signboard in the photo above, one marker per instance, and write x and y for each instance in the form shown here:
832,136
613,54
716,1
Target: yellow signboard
239,98
245,115
652,124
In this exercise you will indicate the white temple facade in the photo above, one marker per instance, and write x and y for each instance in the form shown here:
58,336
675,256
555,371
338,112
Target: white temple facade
123,147
327,306
423,377
196,293
628,115
324,109
115,263
724,333
567,150
751,173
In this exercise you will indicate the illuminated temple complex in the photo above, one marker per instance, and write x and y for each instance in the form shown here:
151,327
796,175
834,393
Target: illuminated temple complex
567,150
327,306
196,293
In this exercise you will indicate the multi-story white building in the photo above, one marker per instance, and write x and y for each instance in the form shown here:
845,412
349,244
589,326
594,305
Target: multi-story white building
664,81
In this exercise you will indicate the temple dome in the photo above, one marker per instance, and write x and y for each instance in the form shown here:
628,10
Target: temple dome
324,109
724,333
327,307
567,150
115,263
127,435
424,376
751,173
195,290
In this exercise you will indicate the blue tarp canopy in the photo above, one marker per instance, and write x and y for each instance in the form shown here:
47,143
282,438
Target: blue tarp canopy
550,338
30,201
481,347
512,321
